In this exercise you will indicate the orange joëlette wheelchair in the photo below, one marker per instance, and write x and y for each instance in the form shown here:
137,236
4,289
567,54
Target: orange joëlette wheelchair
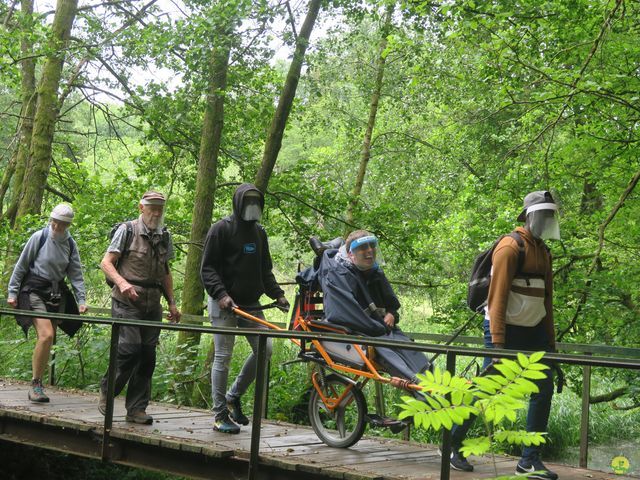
337,406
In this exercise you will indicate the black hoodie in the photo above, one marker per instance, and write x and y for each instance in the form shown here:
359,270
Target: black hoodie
236,259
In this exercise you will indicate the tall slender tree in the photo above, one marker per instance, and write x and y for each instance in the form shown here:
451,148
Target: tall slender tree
365,156
14,175
285,102
47,109
192,292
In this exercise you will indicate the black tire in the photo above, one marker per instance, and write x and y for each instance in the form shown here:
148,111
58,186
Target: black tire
344,426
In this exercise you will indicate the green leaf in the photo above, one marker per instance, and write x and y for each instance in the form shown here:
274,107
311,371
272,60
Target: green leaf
505,370
475,446
533,374
523,360
512,365
536,357
445,418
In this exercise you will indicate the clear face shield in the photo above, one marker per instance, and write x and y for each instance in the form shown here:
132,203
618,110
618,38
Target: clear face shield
365,254
251,209
543,222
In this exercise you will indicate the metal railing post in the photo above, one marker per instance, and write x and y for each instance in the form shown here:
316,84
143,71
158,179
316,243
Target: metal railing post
258,402
584,416
111,384
445,465
265,403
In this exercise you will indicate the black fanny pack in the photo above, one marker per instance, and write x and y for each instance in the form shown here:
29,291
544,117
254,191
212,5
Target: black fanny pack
52,293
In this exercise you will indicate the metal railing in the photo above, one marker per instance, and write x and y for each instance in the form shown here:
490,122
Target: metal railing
587,361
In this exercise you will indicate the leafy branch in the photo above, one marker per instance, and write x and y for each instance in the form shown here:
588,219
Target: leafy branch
450,400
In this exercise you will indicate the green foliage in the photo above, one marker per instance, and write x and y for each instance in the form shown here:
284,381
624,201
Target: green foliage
450,400
481,103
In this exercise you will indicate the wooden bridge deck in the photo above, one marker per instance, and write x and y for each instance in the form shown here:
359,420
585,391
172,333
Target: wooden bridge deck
182,441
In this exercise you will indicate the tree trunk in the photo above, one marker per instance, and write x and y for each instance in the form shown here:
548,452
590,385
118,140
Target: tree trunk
28,97
28,93
192,293
279,122
373,111
15,179
591,200
6,180
47,108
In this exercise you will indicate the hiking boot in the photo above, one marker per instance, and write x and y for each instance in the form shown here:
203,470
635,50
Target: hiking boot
235,412
319,247
102,403
139,416
36,392
223,424
535,469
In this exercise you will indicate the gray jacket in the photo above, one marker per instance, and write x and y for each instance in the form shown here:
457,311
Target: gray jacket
52,262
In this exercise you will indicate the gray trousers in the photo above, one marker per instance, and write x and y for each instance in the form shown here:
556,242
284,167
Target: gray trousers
223,351
136,355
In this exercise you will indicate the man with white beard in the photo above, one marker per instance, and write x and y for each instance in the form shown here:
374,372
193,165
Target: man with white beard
137,263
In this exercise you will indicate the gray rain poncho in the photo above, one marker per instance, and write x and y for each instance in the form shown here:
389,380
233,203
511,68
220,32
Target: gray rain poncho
348,295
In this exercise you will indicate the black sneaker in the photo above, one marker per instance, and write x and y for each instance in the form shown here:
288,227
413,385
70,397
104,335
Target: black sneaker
458,461
535,469
235,412
222,423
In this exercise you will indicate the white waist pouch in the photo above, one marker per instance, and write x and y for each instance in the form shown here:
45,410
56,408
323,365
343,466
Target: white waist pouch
526,310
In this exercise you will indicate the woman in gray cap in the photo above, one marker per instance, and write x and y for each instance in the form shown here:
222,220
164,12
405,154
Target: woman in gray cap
37,284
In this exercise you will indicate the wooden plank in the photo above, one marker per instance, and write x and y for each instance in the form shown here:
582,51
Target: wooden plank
245,444
287,447
323,452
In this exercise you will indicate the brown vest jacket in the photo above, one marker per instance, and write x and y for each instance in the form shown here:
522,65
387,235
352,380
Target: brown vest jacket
144,265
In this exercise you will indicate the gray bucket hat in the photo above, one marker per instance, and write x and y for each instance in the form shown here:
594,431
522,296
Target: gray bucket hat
62,213
540,200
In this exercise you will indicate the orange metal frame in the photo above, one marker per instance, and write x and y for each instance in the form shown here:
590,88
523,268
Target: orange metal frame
302,321
331,402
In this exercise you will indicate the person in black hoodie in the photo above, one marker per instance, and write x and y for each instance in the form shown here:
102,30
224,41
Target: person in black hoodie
236,270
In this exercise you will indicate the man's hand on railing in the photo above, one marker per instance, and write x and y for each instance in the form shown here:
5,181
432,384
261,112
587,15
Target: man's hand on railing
283,304
13,302
174,314
497,359
83,309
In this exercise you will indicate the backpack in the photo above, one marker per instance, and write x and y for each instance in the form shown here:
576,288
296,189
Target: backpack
43,239
478,290
127,243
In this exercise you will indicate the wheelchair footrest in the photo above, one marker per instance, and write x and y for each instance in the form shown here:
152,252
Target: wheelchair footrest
396,426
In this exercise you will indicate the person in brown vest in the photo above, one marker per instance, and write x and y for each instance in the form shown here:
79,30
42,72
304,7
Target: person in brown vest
137,262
